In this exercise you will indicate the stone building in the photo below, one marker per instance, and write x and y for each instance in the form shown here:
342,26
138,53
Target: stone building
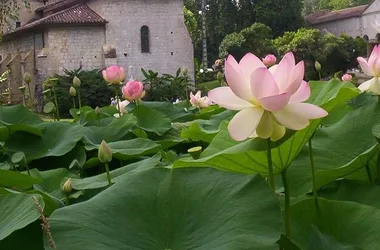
67,34
361,21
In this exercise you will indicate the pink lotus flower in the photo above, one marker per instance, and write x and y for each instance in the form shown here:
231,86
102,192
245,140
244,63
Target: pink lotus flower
371,68
269,100
269,60
347,78
198,101
114,74
133,90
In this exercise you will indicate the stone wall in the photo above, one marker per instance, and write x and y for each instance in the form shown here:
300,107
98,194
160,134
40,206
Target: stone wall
73,47
170,43
18,56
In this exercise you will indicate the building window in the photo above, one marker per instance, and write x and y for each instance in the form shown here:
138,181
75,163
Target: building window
145,39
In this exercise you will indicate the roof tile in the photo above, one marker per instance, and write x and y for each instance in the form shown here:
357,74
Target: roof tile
328,16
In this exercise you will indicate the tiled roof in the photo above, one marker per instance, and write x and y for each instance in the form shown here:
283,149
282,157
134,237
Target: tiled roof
328,16
77,14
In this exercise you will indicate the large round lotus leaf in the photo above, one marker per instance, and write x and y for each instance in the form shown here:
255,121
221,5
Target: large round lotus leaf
181,209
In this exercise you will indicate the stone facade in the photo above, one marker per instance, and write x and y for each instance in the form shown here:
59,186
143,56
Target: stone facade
52,49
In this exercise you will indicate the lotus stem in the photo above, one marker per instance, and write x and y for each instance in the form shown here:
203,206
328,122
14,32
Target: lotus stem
79,99
270,165
369,174
315,194
67,201
74,106
378,167
287,204
30,97
108,174
56,103
118,102
27,168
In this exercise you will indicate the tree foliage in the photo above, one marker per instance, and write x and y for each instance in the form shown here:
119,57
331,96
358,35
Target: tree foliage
256,39
333,52
9,12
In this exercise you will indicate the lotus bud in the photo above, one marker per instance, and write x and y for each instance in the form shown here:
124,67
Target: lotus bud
219,76
68,186
185,71
114,74
27,78
218,63
22,89
347,78
104,153
76,82
73,91
98,110
318,66
133,90
269,60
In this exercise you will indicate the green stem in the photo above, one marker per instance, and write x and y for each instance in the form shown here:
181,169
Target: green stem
23,99
30,97
270,165
287,204
27,168
320,76
108,174
369,174
56,103
312,168
118,103
67,202
79,99
74,102
378,168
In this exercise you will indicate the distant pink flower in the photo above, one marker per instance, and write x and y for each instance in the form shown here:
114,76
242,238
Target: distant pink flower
347,78
198,101
269,100
114,74
133,90
371,68
269,60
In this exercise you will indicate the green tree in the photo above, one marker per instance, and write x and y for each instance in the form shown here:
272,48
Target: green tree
9,12
256,39
192,25
280,15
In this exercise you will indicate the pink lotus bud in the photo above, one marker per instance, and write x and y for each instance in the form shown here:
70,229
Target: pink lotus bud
346,78
269,60
133,90
114,74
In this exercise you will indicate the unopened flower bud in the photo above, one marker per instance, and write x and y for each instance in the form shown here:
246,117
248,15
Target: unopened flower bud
185,71
269,60
76,82
318,66
347,78
104,153
27,78
98,110
73,91
68,186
